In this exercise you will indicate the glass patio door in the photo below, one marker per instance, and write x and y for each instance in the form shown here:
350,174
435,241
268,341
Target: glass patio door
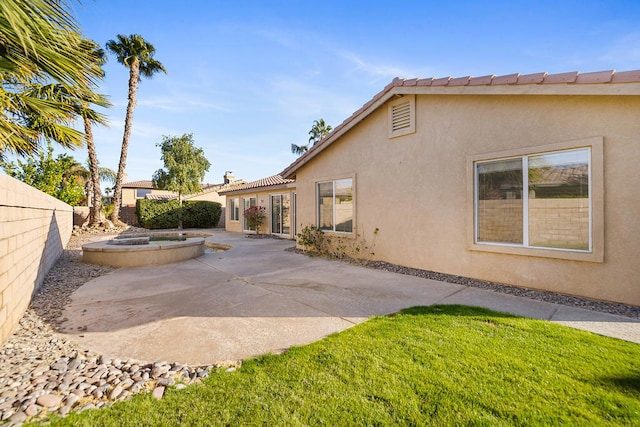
280,221
247,203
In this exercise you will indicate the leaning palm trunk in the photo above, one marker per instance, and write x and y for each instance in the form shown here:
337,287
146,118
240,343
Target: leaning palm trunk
134,78
95,211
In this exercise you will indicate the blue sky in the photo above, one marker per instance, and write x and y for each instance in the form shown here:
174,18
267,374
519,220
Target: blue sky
248,78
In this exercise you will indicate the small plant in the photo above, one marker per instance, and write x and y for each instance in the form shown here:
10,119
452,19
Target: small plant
255,217
337,246
312,238
107,209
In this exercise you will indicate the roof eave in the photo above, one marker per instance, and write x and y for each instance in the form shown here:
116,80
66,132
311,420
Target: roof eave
625,83
259,189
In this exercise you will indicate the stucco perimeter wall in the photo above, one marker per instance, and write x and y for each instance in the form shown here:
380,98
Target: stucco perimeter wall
417,188
34,229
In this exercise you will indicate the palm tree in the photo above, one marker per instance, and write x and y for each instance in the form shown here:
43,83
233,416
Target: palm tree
319,130
39,41
135,53
95,211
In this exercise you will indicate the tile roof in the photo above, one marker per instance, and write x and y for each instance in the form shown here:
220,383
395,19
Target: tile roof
531,84
270,181
138,184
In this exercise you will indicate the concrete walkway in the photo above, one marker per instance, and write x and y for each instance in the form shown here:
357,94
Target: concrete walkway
256,298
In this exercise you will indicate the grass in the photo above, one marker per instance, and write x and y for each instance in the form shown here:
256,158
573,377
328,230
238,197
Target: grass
438,365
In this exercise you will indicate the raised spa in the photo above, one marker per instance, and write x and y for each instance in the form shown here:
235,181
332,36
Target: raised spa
143,250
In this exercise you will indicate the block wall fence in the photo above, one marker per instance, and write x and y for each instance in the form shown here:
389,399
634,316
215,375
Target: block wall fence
34,230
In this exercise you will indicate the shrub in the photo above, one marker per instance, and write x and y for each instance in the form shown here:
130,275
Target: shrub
255,217
155,214
339,246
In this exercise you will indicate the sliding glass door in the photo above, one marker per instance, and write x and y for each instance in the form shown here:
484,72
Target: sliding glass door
280,214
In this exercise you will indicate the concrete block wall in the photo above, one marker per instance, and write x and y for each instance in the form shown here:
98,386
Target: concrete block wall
562,223
128,215
34,230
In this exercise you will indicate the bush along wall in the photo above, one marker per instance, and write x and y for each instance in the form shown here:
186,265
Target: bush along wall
154,214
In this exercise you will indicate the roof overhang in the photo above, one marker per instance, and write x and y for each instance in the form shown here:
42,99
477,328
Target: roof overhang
601,83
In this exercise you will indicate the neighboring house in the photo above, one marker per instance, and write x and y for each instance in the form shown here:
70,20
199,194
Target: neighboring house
530,180
132,191
276,194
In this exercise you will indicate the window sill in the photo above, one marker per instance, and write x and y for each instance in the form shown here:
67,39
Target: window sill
596,256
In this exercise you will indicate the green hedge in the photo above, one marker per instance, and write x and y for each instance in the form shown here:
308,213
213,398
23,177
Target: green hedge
165,213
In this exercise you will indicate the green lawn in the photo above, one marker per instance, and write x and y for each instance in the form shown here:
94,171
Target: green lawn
439,365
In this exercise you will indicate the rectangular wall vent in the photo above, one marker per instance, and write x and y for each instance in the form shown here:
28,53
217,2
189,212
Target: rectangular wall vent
402,116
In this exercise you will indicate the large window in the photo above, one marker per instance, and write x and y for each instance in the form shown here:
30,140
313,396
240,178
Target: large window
142,192
335,205
234,209
539,200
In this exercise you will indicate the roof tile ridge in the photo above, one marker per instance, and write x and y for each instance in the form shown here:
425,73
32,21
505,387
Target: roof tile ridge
459,81
626,76
425,82
507,79
443,81
569,77
534,78
481,80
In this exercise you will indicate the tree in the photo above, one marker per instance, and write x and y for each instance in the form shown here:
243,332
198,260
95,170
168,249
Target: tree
96,215
135,53
61,177
40,44
319,130
184,167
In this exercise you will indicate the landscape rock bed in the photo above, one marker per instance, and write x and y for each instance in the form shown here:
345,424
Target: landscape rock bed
42,371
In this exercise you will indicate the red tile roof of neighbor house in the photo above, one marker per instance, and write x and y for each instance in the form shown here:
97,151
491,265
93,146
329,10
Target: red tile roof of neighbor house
138,184
270,181
594,83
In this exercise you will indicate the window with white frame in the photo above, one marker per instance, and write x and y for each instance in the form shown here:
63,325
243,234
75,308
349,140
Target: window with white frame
540,200
335,205
234,209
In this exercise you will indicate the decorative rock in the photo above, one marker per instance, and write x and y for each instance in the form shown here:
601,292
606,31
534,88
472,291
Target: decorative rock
166,381
158,392
157,371
49,400
32,410
18,417
115,393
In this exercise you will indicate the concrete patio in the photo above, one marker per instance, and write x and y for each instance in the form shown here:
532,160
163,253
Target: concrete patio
258,298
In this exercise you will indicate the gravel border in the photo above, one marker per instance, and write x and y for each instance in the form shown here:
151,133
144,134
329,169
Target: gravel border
42,371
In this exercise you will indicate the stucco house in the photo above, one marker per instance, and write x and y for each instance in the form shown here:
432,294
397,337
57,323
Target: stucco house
276,194
530,180
132,191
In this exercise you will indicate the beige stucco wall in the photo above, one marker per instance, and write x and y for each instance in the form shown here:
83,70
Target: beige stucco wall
34,229
263,199
211,196
415,188
128,197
